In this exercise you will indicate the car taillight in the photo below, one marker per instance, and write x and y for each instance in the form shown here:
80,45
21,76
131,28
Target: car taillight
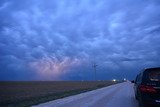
147,89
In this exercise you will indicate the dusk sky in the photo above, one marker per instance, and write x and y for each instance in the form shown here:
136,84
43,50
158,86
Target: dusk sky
61,39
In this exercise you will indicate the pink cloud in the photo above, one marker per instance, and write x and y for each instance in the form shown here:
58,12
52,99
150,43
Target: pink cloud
51,68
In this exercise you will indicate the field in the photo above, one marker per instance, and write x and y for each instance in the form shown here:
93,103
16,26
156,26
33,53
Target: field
35,92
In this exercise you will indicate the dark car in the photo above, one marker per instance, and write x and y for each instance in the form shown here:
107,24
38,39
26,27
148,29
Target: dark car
147,87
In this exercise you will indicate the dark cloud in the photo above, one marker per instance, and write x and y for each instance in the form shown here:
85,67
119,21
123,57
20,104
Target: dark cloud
61,39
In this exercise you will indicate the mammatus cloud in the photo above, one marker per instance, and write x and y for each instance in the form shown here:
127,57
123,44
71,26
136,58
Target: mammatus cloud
59,40
52,68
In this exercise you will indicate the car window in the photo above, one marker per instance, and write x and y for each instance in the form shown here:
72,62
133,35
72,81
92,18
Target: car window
139,78
136,79
154,75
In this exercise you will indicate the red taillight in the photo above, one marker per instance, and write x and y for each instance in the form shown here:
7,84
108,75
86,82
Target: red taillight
147,89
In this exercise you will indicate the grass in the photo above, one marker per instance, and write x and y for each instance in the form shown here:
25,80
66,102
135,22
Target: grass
26,94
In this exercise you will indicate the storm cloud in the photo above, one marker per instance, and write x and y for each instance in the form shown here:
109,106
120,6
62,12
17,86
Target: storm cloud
60,40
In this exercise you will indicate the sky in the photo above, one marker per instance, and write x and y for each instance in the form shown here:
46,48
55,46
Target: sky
62,39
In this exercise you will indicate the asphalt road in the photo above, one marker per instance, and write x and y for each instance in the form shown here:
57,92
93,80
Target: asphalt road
119,95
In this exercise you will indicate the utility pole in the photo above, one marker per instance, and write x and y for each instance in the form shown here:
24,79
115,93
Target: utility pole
94,67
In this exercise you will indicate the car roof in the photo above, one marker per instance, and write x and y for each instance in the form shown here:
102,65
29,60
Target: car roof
148,69
156,68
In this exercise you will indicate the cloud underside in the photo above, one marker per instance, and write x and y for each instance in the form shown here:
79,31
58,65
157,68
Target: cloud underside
62,39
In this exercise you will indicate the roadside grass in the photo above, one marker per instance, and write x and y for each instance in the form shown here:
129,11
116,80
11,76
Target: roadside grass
27,102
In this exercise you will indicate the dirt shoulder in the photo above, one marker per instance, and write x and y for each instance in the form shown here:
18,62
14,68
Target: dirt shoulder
25,94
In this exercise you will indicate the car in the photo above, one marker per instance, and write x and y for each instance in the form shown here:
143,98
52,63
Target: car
147,87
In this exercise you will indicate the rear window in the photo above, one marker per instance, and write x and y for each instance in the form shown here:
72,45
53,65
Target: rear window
154,75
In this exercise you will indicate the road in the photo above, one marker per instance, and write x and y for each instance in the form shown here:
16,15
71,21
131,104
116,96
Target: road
119,95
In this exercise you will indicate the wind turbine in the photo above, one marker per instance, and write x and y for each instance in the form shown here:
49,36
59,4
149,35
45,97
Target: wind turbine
94,67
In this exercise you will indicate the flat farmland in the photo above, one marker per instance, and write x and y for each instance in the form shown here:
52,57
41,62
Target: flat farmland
27,93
